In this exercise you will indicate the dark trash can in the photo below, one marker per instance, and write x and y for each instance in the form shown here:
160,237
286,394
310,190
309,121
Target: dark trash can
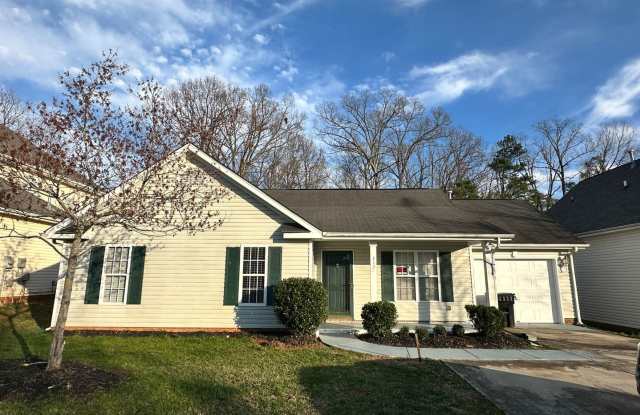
505,304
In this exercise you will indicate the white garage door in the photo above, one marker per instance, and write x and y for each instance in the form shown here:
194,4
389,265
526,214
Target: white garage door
533,283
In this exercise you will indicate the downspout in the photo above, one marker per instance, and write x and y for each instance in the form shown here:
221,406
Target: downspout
574,291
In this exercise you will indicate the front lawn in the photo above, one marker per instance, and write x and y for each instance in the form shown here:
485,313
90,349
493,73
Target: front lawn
235,374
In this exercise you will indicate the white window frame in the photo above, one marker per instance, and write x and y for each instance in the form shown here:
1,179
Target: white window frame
241,275
416,276
104,275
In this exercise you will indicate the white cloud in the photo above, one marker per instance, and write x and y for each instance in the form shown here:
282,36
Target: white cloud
260,39
411,3
619,97
514,73
388,56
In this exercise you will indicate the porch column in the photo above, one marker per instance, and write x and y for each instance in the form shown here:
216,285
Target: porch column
488,257
373,261
310,255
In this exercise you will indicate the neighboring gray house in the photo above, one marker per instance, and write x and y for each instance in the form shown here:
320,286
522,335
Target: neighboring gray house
604,211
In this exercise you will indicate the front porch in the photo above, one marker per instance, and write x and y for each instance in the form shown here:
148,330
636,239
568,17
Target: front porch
429,281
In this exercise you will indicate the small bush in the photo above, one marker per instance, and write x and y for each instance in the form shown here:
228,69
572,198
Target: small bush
378,318
422,333
301,304
457,330
404,332
489,321
439,330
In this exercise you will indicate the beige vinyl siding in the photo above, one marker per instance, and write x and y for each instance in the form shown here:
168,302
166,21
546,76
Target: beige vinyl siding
42,261
432,311
608,278
183,282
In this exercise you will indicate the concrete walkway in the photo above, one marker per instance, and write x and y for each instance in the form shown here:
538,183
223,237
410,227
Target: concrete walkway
348,341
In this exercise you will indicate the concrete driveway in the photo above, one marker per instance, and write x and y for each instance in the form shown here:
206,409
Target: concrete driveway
605,385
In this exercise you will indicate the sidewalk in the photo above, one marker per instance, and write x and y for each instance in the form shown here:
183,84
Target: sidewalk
348,341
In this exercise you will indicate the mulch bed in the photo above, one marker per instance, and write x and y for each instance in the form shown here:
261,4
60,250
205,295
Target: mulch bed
20,380
501,341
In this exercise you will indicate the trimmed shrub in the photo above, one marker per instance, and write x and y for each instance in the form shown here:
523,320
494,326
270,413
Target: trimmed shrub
439,330
378,318
301,304
457,330
404,332
422,333
489,321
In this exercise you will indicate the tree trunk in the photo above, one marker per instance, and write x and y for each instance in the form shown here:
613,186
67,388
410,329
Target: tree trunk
57,343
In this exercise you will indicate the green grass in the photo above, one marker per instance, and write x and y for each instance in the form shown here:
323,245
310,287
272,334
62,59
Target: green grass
219,374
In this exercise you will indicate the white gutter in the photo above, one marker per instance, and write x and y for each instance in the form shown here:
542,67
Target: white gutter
27,215
545,246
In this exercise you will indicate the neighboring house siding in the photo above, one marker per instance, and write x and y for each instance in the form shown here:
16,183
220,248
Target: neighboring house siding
42,261
432,311
608,278
183,281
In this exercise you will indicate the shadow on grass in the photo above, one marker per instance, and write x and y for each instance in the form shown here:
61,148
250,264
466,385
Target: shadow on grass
213,396
391,387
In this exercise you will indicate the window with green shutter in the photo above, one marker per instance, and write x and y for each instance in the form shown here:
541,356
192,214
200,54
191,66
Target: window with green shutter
231,276
94,275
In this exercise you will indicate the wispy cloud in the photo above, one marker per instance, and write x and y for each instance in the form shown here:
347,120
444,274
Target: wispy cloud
411,3
170,40
513,72
619,97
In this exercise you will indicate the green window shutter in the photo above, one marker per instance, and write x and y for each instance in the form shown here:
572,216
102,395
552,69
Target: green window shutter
231,276
94,275
446,276
387,275
275,271
134,292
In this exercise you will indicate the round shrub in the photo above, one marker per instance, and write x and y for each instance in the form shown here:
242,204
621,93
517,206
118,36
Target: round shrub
457,330
404,332
439,330
422,333
378,318
489,321
301,304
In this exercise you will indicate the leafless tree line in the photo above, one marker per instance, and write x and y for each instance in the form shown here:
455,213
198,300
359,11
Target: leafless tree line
368,139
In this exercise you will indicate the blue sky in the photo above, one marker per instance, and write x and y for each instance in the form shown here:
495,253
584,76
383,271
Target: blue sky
496,66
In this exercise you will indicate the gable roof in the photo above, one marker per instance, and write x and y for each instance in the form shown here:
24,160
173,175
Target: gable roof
427,211
23,203
64,228
602,201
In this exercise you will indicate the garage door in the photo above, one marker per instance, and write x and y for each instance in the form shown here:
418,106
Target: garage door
533,283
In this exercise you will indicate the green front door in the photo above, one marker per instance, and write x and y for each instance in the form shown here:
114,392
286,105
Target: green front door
337,278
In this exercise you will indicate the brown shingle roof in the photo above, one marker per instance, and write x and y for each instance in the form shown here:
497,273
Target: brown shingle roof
420,211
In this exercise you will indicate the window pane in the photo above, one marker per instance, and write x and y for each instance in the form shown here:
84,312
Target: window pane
427,263
404,263
253,270
406,288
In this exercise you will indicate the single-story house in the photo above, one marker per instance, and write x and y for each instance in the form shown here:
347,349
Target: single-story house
604,211
428,254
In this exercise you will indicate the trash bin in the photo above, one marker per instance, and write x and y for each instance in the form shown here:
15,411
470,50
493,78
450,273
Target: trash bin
505,304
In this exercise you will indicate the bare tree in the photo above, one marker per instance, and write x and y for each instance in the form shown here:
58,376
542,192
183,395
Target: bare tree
377,133
12,110
561,144
239,127
609,147
445,162
409,132
122,161
300,164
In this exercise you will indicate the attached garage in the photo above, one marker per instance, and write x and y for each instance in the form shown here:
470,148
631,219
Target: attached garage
535,283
